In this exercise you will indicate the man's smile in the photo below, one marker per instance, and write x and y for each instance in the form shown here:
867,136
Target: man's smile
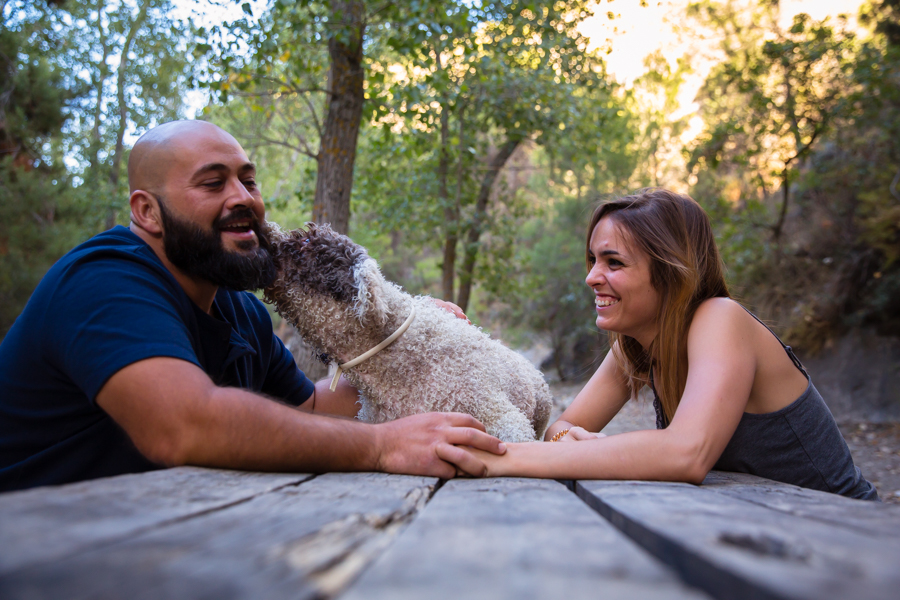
240,227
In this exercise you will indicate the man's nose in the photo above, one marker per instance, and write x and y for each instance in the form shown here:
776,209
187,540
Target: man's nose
239,195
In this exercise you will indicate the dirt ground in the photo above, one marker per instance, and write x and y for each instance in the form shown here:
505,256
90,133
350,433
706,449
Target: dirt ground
875,446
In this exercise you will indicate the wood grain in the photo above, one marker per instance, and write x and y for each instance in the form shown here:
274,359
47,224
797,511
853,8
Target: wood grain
734,548
871,518
517,539
49,523
304,541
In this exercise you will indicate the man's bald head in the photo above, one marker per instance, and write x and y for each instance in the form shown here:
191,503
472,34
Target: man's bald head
158,150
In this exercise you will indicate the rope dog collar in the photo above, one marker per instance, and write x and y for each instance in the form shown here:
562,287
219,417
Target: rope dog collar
367,355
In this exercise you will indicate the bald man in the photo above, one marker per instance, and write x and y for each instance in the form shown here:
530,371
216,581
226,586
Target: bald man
140,348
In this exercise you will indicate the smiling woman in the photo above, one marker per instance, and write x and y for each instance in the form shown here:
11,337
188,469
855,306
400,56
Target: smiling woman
727,393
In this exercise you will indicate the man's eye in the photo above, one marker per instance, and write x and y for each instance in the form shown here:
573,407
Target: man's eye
250,184
212,184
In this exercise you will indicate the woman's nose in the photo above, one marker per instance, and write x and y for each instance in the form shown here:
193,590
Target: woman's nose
595,276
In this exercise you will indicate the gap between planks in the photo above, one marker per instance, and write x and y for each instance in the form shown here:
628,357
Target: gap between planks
778,548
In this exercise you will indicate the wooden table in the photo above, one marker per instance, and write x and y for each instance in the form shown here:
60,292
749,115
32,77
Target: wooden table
201,533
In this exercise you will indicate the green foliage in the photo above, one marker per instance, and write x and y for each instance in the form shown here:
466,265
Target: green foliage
773,96
547,293
41,218
812,111
798,162
884,17
67,99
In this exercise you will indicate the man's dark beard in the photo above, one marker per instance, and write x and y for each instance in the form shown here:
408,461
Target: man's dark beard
200,253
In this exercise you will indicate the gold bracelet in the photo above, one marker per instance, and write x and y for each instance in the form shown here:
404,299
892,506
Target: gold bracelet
559,435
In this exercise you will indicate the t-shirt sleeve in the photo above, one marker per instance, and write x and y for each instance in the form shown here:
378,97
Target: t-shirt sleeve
284,380
110,312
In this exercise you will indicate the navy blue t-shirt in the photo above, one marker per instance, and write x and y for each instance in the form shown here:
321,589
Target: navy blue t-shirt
109,303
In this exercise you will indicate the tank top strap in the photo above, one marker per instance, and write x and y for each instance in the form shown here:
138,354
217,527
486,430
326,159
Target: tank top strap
788,349
661,420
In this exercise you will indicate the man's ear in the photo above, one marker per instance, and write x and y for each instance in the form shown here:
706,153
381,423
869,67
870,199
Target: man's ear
145,212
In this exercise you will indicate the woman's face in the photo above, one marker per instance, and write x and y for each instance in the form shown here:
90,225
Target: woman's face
625,301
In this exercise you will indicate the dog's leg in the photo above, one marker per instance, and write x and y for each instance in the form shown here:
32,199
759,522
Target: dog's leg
503,420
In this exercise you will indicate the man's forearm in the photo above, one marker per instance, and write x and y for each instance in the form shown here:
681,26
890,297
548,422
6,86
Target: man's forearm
238,429
241,430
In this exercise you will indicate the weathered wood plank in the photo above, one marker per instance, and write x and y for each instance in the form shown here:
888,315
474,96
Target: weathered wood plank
305,541
738,549
871,518
45,524
513,538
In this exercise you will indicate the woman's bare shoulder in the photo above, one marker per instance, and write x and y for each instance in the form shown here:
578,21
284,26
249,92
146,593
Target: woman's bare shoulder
722,317
721,308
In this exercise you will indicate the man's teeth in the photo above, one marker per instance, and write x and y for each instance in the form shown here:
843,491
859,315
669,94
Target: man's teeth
605,301
238,225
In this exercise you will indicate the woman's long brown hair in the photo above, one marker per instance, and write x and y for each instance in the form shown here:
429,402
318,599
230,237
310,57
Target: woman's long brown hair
685,269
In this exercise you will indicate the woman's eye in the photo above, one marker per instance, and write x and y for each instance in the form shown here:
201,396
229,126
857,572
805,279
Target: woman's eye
615,263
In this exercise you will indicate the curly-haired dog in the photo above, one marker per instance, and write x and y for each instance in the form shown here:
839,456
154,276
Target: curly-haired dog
334,294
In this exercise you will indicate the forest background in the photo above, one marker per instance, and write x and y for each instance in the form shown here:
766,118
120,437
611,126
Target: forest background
464,143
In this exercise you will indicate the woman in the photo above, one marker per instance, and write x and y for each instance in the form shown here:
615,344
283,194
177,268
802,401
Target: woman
728,394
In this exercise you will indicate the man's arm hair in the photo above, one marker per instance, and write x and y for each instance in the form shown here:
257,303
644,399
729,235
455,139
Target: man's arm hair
176,415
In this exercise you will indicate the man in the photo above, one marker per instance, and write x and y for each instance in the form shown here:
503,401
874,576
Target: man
136,352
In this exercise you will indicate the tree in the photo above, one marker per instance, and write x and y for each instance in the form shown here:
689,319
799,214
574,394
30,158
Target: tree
40,216
77,77
133,60
302,50
812,111
489,80
775,94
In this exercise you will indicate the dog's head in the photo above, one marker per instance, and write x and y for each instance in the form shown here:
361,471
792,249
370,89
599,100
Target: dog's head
319,261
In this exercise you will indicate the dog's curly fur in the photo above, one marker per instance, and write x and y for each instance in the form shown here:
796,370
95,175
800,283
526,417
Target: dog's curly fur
334,294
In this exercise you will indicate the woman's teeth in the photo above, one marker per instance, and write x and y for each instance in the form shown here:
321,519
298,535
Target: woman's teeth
605,301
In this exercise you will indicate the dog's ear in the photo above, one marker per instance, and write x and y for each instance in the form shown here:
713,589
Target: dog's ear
369,302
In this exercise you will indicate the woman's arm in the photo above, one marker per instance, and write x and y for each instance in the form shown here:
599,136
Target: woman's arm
597,403
722,367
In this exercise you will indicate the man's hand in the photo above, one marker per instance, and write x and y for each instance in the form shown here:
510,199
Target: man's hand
428,444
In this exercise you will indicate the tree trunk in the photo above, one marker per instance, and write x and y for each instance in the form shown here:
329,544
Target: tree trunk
337,151
114,172
115,168
451,211
99,82
786,189
484,195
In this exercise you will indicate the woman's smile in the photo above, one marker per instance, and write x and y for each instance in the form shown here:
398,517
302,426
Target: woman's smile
604,301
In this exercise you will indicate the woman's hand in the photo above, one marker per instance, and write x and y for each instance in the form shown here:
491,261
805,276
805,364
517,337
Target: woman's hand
449,306
493,463
579,434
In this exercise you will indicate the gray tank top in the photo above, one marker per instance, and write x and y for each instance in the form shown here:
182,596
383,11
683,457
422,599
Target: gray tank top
799,444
